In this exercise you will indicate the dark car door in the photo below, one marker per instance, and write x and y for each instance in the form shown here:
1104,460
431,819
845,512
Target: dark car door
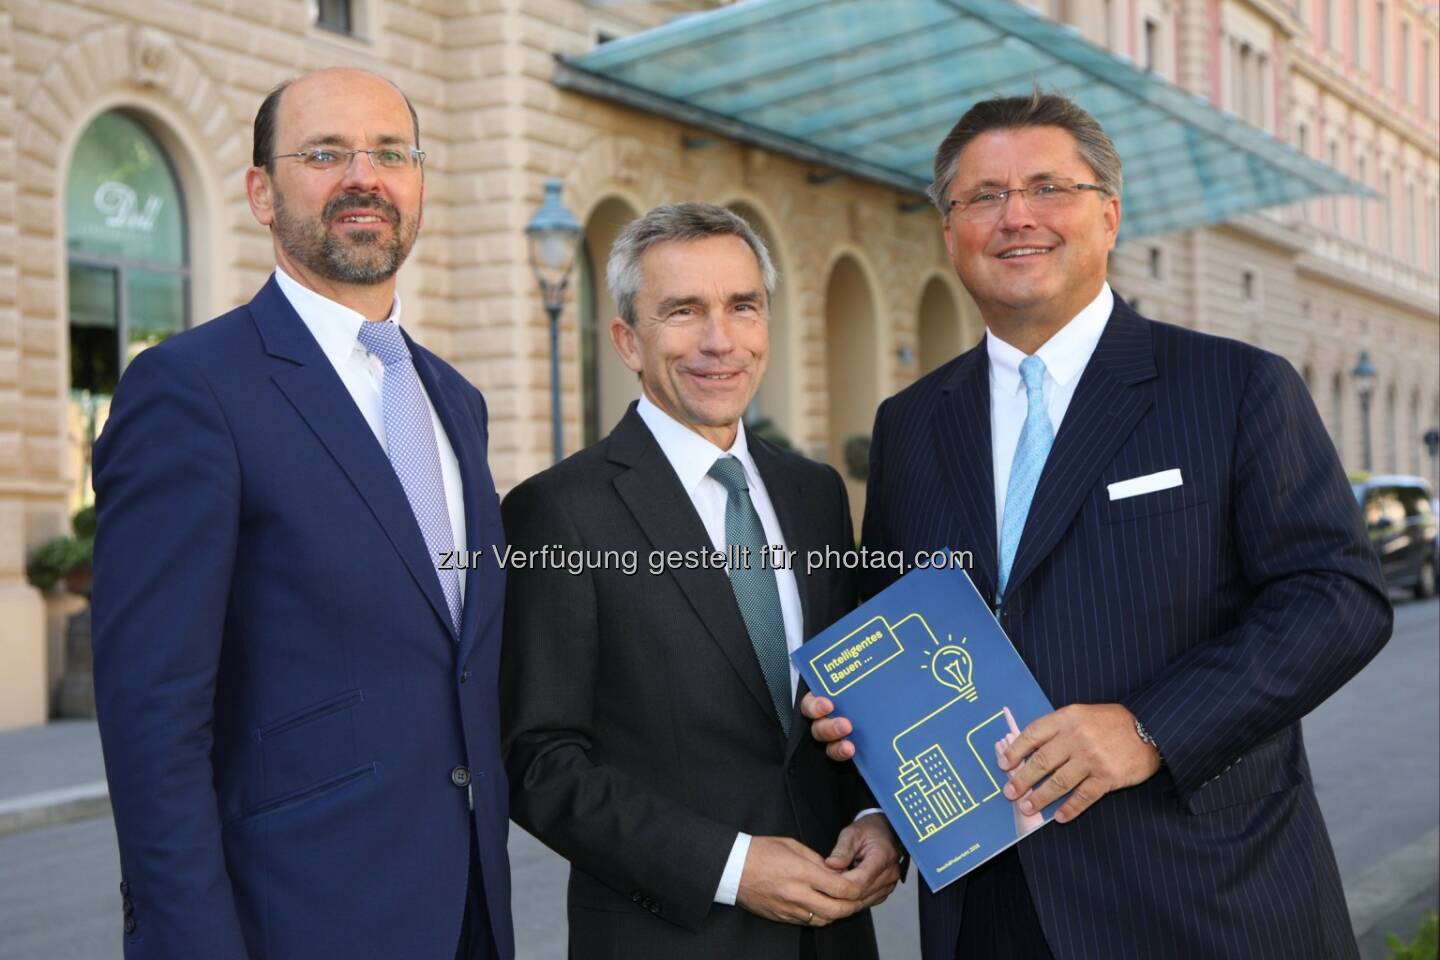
1419,525
1385,517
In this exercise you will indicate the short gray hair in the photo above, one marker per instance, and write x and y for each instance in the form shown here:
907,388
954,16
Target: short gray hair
1036,110
675,222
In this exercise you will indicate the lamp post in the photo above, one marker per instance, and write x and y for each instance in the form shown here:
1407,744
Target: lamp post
1364,374
553,236
1432,445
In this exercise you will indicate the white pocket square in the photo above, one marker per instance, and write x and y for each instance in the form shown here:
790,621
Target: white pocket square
1149,483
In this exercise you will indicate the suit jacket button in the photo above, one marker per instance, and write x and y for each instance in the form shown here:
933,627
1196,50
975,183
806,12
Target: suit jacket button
460,777
635,897
124,888
129,925
465,677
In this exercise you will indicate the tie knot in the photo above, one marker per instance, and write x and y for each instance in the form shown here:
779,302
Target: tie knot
1032,371
384,341
731,474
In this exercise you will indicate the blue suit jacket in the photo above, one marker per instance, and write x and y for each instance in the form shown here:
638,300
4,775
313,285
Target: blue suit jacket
1220,612
282,699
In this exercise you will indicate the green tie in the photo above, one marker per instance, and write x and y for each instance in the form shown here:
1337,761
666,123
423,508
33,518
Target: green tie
755,588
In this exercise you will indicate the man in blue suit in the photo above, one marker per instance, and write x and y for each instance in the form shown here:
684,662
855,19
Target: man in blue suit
296,645
1167,536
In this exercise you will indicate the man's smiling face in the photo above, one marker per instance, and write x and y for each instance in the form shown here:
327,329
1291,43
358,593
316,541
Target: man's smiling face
1018,265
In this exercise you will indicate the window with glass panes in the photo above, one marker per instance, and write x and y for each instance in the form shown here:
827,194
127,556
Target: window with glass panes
335,15
128,272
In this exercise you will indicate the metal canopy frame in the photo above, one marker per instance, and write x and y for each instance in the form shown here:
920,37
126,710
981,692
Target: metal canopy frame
870,87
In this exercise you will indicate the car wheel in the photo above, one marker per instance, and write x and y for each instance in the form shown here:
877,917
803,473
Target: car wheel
1425,582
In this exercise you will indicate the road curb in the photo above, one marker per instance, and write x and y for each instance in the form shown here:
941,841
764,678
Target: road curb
37,810
1394,880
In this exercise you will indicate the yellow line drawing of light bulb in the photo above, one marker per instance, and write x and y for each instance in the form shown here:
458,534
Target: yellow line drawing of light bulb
952,666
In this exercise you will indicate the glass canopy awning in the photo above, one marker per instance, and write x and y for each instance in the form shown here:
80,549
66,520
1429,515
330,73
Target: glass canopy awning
870,87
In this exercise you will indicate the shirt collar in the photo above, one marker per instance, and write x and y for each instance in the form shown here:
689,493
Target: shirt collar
691,455
333,325
1065,354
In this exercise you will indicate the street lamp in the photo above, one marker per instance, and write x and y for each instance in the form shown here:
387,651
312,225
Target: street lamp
553,236
1364,374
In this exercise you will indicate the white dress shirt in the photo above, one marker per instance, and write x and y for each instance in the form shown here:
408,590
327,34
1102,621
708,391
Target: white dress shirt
1065,356
691,456
337,329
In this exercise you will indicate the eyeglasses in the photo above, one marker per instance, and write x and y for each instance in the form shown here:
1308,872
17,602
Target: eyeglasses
1049,196
330,159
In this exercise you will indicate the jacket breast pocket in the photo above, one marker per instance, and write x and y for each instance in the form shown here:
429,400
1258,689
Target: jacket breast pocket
1150,504
309,746
1267,769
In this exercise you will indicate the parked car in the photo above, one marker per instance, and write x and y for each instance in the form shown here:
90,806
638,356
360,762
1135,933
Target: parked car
1400,515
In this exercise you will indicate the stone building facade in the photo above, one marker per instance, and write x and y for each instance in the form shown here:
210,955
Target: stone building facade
868,302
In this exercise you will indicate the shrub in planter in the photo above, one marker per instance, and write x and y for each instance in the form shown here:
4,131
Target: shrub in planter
65,558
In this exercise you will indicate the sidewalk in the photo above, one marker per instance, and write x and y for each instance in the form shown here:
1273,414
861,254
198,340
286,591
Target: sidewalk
51,774
54,774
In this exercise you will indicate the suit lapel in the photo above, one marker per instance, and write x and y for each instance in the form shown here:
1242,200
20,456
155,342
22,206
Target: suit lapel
464,436
668,519
319,396
962,435
1109,401
793,511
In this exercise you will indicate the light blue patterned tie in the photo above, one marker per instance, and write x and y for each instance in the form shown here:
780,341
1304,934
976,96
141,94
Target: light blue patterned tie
1036,438
410,444
755,588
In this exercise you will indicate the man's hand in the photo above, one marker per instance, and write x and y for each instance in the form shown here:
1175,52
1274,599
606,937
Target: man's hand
1085,750
1024,823
786,881
829,730
868,853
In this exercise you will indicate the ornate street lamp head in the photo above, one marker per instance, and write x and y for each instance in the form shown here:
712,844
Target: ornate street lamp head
553,235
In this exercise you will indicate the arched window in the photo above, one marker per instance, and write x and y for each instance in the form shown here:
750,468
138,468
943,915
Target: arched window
128,270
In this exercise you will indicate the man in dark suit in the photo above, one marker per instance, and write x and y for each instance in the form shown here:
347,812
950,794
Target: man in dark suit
1167,536
696,833
296,687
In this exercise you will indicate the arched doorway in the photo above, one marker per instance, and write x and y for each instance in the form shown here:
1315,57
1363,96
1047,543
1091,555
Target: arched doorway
128,272
940,335
773,401
851,358
606,385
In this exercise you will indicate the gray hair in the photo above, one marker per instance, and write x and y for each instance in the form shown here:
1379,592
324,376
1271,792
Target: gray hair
675,222
1036,110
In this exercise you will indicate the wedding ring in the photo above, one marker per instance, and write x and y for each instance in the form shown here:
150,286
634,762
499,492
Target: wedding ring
809,918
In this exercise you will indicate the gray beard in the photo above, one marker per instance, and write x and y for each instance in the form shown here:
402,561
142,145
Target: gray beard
362,258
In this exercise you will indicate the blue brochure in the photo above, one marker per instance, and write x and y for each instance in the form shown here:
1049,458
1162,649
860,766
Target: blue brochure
930,684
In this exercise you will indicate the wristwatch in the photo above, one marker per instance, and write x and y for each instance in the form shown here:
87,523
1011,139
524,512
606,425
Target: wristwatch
1145,737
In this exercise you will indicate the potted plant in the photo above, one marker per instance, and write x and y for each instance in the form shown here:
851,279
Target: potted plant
65,558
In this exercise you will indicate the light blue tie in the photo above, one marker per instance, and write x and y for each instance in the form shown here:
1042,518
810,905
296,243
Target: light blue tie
1035,439
755,587
410,444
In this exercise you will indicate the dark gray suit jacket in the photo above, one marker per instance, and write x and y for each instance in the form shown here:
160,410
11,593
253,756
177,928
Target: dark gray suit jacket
638,732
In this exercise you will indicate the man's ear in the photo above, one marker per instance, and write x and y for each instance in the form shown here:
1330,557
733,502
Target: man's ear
626,344
260,191
1112,220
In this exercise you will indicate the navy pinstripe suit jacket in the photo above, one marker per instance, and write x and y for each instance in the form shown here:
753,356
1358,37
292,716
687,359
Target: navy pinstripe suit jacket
1220,612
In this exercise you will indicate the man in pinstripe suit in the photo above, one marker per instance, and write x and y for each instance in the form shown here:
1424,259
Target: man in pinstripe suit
1167,536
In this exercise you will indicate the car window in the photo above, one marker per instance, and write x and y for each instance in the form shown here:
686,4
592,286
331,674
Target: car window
1385,508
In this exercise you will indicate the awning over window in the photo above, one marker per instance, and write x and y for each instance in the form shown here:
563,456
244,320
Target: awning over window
870,87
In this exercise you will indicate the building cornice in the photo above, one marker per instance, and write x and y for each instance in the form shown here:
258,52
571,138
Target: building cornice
1334,272
1334,84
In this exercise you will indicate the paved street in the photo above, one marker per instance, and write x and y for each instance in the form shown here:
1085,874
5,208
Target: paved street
1371,746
